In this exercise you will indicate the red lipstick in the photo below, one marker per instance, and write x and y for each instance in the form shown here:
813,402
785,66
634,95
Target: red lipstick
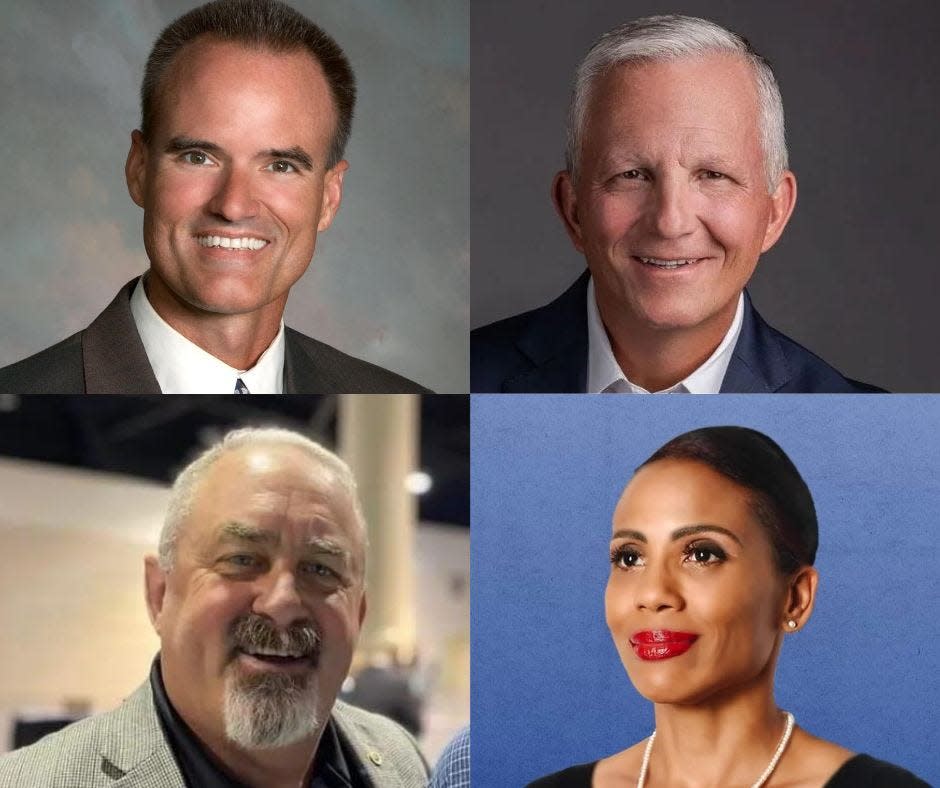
661,643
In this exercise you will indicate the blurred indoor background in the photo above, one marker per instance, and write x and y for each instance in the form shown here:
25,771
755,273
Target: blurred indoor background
84,483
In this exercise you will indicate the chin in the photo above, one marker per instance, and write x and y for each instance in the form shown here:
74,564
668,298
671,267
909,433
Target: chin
668,315
226,299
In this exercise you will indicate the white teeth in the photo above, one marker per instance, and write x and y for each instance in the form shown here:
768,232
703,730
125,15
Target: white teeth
210,241
667,263
275,652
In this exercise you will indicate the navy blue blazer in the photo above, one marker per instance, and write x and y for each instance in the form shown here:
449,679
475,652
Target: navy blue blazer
546,350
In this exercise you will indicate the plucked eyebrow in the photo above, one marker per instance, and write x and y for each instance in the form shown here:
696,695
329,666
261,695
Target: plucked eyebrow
295,154
679,533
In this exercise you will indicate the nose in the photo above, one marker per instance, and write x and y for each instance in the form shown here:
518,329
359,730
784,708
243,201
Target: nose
233,199
656,589
673,211
279,599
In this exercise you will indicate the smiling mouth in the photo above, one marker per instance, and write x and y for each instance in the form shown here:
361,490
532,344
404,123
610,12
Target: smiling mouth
246,243
280,658
662,264
661,644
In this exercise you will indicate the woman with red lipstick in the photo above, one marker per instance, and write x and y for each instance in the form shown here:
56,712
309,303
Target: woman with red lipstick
712,554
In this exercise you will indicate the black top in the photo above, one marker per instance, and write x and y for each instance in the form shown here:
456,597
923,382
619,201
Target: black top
331,769
862,771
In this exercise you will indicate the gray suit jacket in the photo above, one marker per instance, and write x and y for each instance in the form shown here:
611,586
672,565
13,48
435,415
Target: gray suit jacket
125,748
108,357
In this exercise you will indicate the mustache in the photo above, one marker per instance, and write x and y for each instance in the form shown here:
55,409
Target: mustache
254,631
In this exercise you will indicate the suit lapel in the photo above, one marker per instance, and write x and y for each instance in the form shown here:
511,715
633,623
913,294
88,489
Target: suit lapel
556,344
303,373
113,355
134,751
758,365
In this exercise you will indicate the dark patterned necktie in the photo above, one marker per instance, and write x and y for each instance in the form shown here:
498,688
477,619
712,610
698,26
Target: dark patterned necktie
240,387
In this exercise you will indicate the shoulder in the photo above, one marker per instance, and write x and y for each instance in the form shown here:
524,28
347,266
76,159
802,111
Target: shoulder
381,742
55,370
453,767
813,375
786,365
573,777
863,771
516,344
78,755
340,372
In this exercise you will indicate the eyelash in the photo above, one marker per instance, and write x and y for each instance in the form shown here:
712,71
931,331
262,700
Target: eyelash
252,562
273,164
186,157
710,175
619,555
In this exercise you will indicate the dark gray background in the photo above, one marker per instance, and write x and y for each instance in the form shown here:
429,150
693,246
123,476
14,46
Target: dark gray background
388,282
855,275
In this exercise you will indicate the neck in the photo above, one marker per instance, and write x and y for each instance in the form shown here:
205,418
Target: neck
657,358
729,741
238,339
283,767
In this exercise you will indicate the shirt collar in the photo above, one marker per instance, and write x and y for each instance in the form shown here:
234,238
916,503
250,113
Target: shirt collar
182,367
605,375
331,768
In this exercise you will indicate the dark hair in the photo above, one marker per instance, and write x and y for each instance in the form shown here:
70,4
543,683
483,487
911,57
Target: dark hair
779,496
258,24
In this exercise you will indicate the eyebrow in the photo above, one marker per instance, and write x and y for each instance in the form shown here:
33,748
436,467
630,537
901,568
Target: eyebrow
295,153
250,533
679,533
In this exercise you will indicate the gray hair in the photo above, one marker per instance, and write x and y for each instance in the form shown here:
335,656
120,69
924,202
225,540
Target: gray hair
658,38
184,488
256,24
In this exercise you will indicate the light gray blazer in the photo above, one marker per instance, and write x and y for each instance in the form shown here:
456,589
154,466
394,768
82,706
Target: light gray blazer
125,748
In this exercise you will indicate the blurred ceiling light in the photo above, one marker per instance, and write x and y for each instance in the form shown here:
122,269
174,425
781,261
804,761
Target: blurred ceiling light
418,482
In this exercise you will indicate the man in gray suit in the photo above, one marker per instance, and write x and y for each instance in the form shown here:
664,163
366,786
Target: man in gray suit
246,108
257,596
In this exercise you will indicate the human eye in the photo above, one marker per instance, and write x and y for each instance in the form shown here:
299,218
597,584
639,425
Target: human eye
633,175
282,166
705,553
321,573
197,158
240,562
625,557
714,175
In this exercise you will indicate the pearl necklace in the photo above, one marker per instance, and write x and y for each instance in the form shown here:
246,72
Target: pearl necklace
788,731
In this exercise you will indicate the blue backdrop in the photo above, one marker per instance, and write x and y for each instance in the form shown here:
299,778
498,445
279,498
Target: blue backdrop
548,689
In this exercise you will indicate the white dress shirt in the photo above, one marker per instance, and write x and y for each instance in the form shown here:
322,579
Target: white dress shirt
605,376
182,367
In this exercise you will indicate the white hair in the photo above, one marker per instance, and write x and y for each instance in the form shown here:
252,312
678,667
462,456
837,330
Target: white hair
187,481
659,38
270,710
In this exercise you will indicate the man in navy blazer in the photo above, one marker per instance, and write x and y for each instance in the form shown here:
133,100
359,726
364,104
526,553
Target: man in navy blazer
676,181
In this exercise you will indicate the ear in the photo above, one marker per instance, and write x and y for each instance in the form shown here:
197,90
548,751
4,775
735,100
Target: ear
154,589
332,194
801,595
566,204
135,169
782,202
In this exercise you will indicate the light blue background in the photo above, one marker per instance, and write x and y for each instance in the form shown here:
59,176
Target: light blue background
548,689
389,279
